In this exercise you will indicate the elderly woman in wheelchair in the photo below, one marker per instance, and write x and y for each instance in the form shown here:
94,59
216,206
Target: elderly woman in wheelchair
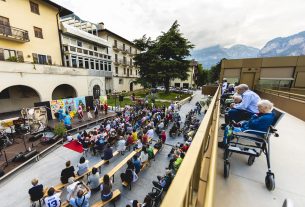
252,138
258,122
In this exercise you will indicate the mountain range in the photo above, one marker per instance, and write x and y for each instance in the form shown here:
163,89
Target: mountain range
293,45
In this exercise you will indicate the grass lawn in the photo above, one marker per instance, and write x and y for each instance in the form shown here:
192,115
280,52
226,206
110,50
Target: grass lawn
127,101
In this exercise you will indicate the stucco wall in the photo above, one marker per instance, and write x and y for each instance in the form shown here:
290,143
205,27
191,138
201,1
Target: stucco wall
20,16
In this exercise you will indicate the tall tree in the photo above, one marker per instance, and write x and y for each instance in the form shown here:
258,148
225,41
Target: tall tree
214,72
172,49
202,76
164,59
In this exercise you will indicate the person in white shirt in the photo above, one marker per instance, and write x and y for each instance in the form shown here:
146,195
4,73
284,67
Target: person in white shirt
69,137
94,180
150,133
53,198
70,188
82,166
121,145
224,86
144,155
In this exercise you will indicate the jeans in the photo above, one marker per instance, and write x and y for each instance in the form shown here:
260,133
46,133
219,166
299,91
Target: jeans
225,137
238,115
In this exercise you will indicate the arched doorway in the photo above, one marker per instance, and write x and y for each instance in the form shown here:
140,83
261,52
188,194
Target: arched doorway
96,91
131,86
14,98
63,91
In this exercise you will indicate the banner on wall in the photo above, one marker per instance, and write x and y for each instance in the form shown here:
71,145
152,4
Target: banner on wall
69,105
103,99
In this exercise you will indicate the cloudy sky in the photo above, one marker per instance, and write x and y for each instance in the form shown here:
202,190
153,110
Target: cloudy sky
203,22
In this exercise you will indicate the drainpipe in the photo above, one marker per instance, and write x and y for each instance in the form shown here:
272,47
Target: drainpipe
59,35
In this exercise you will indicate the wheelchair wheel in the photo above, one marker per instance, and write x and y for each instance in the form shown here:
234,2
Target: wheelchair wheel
251,160
226,169
269,181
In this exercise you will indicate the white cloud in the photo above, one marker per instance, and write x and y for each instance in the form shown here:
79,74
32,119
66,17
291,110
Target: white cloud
203,22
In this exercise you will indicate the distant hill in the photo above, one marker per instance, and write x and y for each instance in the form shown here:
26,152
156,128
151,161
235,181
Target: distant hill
293,45
212,55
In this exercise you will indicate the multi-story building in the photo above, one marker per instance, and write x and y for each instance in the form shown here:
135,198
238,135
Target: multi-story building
125,72
32,61
190,81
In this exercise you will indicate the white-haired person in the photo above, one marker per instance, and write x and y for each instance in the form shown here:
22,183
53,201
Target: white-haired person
260,122
246,108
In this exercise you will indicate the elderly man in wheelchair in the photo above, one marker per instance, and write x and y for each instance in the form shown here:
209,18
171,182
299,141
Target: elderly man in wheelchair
252,138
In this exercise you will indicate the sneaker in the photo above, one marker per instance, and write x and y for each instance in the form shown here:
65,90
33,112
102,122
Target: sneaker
221,145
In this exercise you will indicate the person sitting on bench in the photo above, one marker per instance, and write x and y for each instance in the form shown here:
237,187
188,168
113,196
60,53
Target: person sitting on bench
144,155
137,164
260,122
163,182
36,192
106,187
53,198
93,180
82,198
82,166
128,175
108,153
245,109
67,173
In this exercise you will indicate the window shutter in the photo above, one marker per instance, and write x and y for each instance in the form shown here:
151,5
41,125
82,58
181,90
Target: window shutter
1,54
35,57
20,56
49,60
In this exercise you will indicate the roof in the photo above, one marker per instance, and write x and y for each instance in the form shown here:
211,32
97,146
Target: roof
118,36
62,10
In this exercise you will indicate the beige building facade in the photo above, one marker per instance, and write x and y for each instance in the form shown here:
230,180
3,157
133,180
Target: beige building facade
190,81
283,73
124,70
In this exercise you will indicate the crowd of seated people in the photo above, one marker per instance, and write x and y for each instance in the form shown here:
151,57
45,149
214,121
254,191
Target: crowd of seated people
247,112
134,126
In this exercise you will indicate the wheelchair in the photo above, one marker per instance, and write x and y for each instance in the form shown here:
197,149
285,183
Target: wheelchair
253,143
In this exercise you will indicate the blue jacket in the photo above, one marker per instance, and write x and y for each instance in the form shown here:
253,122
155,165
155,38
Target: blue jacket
260,122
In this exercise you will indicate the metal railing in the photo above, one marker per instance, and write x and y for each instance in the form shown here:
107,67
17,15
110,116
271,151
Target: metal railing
14,33
194,182
294,96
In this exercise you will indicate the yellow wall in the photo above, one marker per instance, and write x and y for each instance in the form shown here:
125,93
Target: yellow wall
20,16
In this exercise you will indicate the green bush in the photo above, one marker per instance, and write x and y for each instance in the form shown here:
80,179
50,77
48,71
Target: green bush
60,130
12,59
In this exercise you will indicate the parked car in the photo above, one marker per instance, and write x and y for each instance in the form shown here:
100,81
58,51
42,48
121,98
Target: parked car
161,88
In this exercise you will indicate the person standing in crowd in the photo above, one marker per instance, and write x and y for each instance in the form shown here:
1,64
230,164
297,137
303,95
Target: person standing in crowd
96,111
80,113
105,108
224,86
89,115
67,173
67,121
36,193
61,115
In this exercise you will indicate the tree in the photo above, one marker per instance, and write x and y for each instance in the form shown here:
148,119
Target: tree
164,59
202,76
214,72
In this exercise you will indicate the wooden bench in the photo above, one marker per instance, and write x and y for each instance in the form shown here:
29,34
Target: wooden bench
79,177
116,194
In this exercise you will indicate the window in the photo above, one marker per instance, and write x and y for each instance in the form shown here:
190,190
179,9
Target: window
91,64
97,65
42,59
79,44
49,59
101,65
74,61
124,47
66,48
109,66
100,55
9,54
34,7
95,48
4,21
136,72
73,49
80,62
67,60
86,63
91,53
96,54
124,71
116,70
130,71
124,60
85,52
105,66
79,50
116,57
115,43
130,50
96,91
130,62
38,32
120,81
